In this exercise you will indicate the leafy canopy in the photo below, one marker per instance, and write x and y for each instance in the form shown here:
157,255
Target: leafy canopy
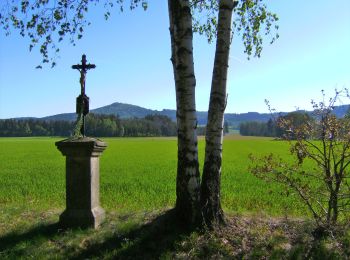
48,22
252,22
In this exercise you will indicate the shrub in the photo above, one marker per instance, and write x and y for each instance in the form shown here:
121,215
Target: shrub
324,145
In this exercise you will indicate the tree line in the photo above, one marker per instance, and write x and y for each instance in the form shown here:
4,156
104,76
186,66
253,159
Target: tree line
255,128
271,128
96,125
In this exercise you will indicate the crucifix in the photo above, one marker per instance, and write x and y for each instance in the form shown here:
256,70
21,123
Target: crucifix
82,108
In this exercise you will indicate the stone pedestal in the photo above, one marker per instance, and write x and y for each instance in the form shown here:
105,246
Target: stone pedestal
82,182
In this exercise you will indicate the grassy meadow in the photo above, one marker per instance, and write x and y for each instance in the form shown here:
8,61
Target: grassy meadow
137,190
136,174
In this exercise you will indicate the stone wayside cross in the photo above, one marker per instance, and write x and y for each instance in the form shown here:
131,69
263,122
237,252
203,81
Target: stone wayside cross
82,108
82,168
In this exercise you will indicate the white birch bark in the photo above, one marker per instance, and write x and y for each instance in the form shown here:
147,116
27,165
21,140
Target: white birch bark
210,189
188,177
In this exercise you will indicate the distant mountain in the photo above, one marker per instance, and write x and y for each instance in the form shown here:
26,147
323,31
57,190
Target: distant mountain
127,111
120,109
61,117
340,111
130,111
124,110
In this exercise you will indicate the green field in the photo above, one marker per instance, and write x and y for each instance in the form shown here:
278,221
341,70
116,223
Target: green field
137,190
137,174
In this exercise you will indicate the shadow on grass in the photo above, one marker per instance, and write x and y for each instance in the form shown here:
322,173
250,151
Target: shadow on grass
44,230
146,241
149,241
165,237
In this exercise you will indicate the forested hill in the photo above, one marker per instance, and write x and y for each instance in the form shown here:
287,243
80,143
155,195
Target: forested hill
131,111
120,109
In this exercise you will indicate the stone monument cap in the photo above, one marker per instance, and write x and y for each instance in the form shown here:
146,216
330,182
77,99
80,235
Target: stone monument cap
81,146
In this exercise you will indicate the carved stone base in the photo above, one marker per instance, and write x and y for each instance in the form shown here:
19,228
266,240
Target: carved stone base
82,182
82,218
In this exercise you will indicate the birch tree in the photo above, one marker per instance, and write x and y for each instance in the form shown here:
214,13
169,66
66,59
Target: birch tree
251,16
188,180
210,189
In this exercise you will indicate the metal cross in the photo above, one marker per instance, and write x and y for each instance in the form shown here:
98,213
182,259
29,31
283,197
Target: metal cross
83,68
82,108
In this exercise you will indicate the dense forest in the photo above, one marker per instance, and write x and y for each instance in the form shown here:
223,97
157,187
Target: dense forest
255,128
270,128
96,125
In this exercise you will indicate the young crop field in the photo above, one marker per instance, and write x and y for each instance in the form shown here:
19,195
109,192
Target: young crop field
137,174
137,190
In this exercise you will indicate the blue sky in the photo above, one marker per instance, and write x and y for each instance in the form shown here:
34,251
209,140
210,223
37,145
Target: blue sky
132,55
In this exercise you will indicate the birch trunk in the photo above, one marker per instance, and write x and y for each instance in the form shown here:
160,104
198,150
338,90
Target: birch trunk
188,177
210,190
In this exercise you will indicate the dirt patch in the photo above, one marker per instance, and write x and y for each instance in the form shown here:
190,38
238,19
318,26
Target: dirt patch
263,238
